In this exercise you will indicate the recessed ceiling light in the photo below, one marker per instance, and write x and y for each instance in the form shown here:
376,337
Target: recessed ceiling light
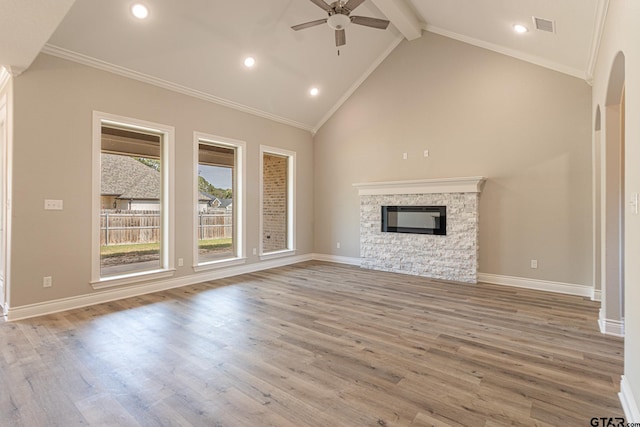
314,91
249,62
520,28
140,11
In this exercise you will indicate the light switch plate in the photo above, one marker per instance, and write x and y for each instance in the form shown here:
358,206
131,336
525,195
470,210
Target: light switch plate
52,205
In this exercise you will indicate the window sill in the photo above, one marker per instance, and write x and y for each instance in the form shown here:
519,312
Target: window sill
127,279
212,265
277,254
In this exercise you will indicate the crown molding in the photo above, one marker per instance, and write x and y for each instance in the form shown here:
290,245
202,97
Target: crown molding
509,52
601,16
357,84
145,78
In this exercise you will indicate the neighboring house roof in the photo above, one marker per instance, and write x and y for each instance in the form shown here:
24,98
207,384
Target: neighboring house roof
127,178
205,197
225,202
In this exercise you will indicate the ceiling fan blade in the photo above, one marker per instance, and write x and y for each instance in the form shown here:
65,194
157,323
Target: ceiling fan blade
309,24
341,38
323,5
370,22
352,4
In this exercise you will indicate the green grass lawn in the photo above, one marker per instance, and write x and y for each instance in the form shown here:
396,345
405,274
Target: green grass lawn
133,249
150,248
215,244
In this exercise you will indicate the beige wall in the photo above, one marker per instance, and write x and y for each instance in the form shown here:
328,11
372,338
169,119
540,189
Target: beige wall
526,128
477,112
53,107
621,35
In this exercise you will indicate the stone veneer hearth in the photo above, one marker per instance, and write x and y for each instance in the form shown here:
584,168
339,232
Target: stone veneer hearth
451,257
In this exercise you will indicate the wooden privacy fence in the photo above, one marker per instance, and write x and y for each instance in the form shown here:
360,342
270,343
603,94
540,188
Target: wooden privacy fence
215,226
118,227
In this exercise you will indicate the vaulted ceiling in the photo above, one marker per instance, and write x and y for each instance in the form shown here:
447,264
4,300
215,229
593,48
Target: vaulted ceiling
198,46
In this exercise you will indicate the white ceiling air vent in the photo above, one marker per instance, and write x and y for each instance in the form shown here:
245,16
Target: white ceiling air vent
544,24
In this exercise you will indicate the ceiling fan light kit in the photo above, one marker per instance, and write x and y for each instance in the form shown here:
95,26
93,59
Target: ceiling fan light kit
338,21
339,18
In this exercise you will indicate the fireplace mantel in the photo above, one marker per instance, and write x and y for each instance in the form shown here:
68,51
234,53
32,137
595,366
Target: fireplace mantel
451,256
471,184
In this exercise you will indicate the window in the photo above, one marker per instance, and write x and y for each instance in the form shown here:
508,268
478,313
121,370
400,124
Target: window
219,213
132,182
277,204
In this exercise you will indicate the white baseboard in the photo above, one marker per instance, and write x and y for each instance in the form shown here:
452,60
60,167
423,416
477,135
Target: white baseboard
55,306
629,402
519,282
610,326
539,285
64,304
596,295
337,258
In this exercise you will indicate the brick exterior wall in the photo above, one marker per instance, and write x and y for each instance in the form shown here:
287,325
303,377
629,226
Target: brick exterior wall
274,203
451,257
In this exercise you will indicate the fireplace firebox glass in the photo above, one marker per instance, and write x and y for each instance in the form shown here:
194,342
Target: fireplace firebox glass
414,219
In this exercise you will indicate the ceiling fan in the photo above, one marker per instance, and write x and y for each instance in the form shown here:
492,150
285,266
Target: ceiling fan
339,18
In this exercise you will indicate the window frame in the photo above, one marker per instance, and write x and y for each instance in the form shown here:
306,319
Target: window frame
239,211
291,202
167,201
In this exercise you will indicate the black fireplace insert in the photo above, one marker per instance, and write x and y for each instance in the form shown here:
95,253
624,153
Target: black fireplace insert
414,219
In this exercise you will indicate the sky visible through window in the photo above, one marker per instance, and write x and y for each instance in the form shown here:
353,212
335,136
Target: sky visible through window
219,177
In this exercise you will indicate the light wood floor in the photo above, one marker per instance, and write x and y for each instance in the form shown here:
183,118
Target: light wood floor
314,344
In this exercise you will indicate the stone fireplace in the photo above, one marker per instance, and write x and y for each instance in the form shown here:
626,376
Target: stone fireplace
453,256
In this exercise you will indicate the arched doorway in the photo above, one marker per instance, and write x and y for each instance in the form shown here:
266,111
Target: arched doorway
3,246
597,206
612,203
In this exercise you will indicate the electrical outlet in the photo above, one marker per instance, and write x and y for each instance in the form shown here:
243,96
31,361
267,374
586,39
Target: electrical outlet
338,245
47,282
180,262
404,156
426,153
255,251
534,263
